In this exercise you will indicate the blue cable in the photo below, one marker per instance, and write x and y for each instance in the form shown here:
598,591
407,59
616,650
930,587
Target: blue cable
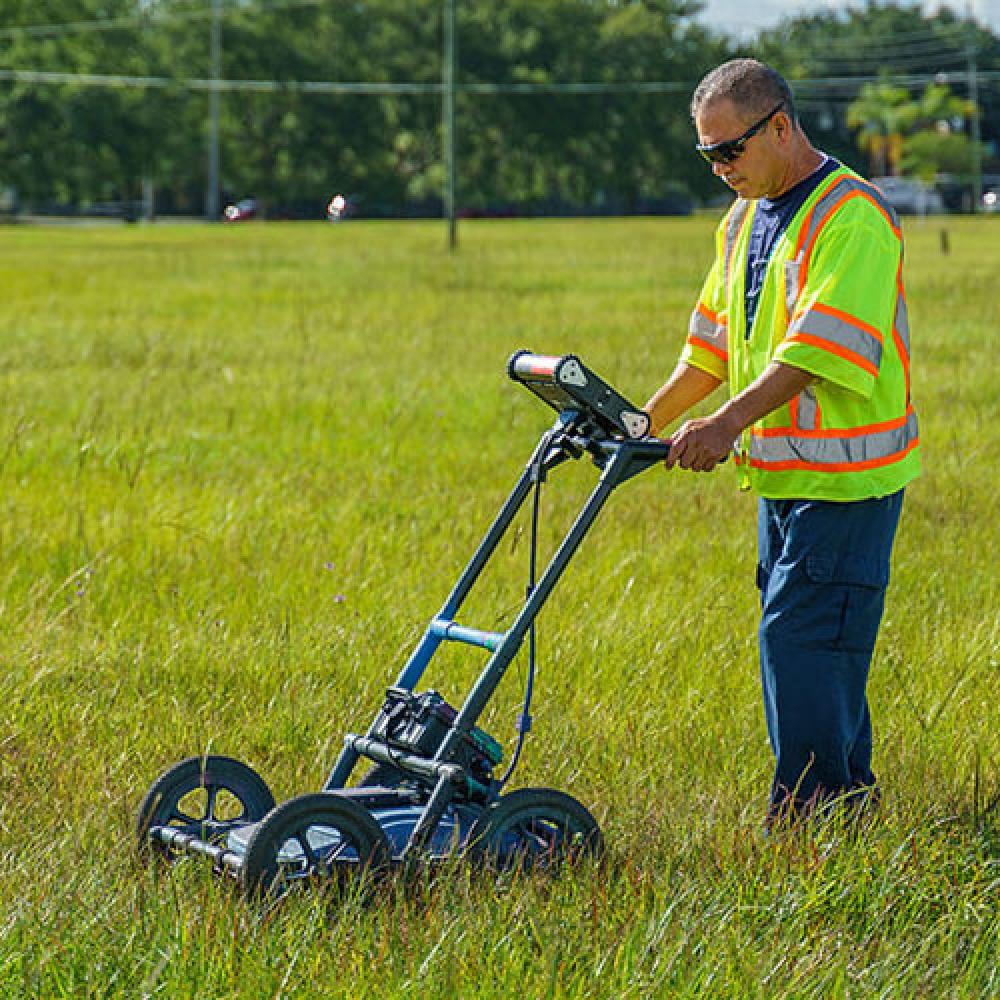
524,718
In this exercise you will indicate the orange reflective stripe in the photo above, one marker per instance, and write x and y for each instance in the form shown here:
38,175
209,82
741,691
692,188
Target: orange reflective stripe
844,317
715,318
878,204
841,352
806,225
856,191
793,412
706,346
803,411
901,337
862,466
904,360
843,432
852,450
807,252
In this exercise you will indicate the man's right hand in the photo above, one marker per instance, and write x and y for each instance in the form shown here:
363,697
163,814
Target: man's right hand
701,444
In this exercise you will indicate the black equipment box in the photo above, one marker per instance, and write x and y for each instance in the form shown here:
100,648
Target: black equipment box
418,724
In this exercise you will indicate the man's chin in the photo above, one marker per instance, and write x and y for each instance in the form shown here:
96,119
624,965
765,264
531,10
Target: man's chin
743,188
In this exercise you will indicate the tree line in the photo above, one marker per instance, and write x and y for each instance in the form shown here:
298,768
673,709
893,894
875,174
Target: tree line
69,144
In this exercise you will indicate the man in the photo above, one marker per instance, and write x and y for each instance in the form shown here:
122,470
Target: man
803,313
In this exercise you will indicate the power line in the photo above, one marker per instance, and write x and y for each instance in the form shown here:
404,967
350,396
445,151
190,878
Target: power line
848,67
891,51
120,81
898,38
143,18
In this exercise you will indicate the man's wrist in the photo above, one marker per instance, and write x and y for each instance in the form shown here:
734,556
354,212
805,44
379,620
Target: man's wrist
731,419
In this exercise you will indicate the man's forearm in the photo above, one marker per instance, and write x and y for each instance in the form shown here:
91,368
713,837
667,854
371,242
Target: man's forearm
777,385
686,387
702,443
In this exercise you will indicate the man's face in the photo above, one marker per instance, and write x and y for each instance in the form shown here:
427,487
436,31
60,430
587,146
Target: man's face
760,169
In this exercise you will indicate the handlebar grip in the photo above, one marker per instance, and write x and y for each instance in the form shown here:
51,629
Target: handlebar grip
526,366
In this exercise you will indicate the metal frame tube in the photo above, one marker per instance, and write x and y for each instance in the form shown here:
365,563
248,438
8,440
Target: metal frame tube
411,673
494,670
620,466
621,461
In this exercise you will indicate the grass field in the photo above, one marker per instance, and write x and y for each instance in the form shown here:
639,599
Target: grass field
240,468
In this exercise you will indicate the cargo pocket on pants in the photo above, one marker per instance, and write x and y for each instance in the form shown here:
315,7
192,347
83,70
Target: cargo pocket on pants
856,591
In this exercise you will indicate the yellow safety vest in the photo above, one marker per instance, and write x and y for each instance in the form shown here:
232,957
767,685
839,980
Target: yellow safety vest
832,304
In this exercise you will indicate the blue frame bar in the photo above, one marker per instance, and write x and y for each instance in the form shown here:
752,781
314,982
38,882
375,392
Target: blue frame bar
414,669
452,632
619,460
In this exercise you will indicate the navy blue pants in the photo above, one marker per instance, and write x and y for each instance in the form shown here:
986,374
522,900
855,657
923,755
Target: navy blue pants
823,571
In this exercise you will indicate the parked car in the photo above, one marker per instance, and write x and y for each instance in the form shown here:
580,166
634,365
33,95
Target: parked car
909,196
243,210
991,200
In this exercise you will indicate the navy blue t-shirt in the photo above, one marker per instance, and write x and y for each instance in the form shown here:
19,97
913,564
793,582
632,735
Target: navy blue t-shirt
770,220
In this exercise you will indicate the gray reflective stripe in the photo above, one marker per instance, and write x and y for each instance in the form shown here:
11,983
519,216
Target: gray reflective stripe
840,332
835,451
819,211
877,196
839,189
736,216
902,322
808,410
817,218
703,328
791,284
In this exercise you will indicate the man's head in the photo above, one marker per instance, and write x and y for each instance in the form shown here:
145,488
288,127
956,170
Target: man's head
747,129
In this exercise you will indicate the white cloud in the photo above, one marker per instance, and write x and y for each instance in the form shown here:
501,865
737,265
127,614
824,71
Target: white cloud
743,20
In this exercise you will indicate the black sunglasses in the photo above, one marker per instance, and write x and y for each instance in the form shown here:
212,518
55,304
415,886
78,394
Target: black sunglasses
730,150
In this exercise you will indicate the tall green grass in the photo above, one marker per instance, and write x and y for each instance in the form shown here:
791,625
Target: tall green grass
241,467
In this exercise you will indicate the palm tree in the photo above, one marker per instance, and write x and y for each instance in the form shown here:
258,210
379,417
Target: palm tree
882,113
938,108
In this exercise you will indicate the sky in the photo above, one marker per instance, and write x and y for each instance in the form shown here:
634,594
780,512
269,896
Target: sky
742,19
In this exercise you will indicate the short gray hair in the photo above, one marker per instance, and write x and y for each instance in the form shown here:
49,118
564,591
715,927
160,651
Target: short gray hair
752,86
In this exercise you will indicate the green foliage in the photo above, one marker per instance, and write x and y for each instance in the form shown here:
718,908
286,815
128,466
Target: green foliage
77,145
929,153
241,469
290,149
915,134
882,113
893,40
935,147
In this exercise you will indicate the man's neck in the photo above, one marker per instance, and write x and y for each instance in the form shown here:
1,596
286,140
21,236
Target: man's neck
806,162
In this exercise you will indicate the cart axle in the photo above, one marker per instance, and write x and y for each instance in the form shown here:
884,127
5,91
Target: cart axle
188,843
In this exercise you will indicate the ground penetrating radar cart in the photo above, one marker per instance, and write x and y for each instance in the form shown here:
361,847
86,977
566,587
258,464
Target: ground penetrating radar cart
430,789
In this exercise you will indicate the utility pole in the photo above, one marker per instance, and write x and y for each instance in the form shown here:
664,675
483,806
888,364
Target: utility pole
212,193
977,149
448,64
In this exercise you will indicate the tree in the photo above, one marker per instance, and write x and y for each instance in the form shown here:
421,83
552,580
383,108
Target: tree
882,114
936,144
928,153
825,55
921,135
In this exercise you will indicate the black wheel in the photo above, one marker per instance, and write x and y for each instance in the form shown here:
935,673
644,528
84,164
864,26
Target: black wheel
535,827
205,796
322,835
